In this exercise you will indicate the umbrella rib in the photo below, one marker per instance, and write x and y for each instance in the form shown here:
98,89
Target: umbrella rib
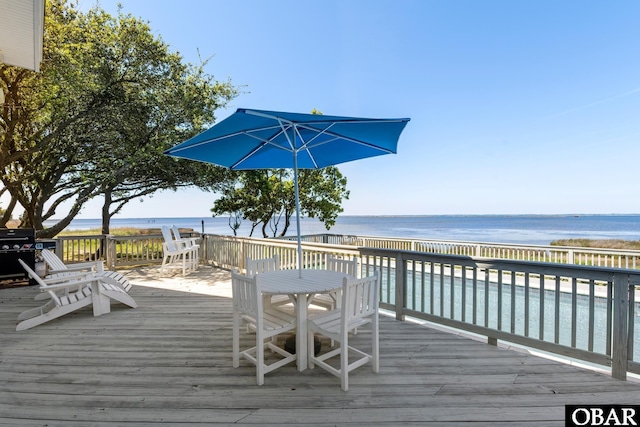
264,142
227,136
337,136
304,147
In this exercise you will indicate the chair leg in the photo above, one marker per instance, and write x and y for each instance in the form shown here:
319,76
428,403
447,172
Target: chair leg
164,262
344,363
101,302
259,359
310,349
375,345
236,340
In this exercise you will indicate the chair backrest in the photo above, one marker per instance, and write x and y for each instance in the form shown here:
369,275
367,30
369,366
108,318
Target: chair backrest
360,297
168,240
42,283
257,266
346,266
246,295
52,260
176,232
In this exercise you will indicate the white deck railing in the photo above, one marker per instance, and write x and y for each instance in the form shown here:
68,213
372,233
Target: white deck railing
573,302
585,312
557,254
147,249
116,251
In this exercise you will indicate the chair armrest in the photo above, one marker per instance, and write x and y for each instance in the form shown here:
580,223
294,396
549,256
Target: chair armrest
179,247
98,265
182,242
67,285
70,269
67,277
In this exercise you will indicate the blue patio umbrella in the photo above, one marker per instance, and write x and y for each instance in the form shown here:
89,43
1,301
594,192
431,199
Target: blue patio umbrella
259,139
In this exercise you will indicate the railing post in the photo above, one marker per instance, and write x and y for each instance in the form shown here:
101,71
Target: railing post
110,251
243,255
620,319
204,243
400,286
570,257
59,251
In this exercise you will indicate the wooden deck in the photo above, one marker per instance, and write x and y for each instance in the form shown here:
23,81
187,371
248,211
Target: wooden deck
169,362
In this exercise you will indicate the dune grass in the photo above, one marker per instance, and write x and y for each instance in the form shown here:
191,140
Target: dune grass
121,231
599,243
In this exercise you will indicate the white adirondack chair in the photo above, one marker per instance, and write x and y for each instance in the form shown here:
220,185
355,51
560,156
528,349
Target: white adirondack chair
359,308
175,255
190,243
347,266
57,268
267,323
68,294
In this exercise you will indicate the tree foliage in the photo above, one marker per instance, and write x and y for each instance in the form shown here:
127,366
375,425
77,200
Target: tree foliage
109,99
266,198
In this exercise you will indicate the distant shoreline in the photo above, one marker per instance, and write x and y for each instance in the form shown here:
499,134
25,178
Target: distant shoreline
380,216
518,229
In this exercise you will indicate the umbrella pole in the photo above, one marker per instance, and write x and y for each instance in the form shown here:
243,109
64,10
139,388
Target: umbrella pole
297,191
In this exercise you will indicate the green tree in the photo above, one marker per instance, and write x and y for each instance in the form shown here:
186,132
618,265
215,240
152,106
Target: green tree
109,99
266,197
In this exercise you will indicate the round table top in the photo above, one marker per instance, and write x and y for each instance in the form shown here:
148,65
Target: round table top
290,282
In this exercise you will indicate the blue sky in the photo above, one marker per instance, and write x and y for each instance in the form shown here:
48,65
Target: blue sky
516,107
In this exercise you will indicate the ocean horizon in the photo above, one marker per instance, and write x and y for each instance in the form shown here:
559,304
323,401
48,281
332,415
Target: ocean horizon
539,229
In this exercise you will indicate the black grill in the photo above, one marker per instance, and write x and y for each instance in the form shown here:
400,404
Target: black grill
15,244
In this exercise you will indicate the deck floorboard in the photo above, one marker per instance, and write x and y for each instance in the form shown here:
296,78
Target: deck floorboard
169,362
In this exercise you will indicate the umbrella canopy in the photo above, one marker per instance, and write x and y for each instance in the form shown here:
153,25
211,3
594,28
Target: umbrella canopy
258,139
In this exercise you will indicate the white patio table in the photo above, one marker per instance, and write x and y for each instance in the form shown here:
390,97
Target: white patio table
301,291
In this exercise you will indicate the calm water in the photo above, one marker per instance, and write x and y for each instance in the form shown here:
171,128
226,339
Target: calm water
526,229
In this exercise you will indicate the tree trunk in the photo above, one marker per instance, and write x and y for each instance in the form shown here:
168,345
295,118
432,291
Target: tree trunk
83,196
287,223
7,213
106,216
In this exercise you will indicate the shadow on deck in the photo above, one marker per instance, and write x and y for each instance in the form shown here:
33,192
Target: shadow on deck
169,361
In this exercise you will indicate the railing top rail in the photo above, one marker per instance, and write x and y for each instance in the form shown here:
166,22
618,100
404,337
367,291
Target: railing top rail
80,236
483,244
287,243
136,236
550,268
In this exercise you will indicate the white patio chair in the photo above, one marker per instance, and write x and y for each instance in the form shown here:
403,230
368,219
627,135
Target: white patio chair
111,282
56,268
359,308
347,266
267,322
190,243
174,254
68,294
258,266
